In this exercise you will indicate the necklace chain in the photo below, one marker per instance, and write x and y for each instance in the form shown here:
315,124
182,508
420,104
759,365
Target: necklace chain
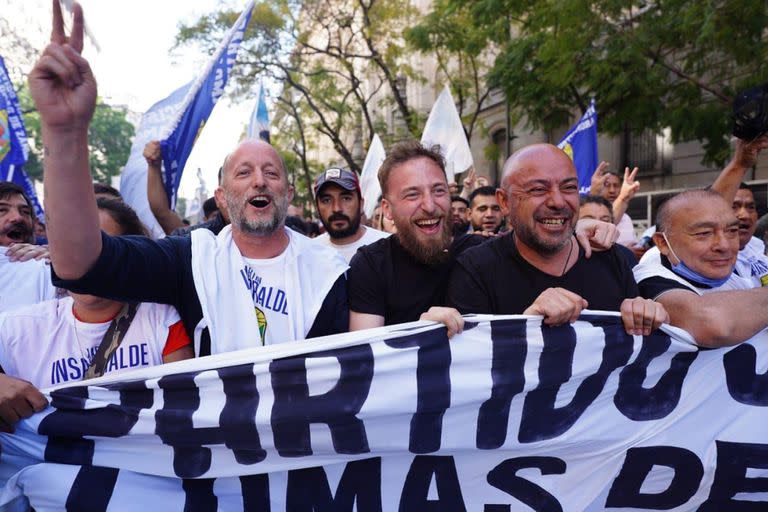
567,258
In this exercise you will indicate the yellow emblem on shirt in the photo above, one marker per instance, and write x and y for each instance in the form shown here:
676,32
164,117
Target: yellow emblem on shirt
262,320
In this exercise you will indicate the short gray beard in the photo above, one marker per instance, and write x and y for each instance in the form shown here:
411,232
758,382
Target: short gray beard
258,227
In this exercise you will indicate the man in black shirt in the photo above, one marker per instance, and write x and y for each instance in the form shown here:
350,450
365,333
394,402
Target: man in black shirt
539,268
398,278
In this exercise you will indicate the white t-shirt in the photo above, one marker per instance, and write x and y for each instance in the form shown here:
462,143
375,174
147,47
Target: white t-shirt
24,283
265,280
752,263
46,345
626,231
349,250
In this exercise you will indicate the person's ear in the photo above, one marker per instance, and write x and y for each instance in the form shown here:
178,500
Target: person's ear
661,243
386,208
503,199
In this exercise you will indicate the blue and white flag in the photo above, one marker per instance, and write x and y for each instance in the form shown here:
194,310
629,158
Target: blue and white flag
580,143
133,179
13,141
197,106
258,126
510,414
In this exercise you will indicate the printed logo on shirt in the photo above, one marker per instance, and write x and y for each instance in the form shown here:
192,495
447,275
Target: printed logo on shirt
70,369
261,318
265,297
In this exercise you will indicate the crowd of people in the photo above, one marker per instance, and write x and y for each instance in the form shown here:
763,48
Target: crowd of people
113,299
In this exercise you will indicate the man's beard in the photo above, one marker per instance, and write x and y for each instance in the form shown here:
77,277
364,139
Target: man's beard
258,227
433,251
352,225
459,228
528,236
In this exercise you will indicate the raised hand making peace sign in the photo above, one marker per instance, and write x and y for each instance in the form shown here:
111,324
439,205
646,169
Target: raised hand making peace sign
61,83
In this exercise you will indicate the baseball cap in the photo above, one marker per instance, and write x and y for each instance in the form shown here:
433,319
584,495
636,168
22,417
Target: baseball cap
345,179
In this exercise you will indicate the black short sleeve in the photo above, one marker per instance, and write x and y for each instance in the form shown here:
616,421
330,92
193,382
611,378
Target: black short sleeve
366,283
465,292
652,287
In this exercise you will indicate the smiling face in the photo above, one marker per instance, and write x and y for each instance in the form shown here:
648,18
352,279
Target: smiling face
15,220
746,211
418,201
254,191
703,233
541,193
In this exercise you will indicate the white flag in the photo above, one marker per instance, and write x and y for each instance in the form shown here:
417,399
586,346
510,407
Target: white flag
444,128
369,179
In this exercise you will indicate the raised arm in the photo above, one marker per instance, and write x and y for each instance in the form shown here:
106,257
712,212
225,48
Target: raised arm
64,91
629,188
158,201
744,158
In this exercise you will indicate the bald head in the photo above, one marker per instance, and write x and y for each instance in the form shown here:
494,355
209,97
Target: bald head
252,151
539,157
690,203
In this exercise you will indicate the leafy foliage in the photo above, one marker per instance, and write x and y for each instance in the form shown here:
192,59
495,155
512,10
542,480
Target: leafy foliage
109,140
649,64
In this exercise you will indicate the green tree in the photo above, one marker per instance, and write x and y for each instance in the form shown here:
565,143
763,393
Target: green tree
649,64
109,140
463,53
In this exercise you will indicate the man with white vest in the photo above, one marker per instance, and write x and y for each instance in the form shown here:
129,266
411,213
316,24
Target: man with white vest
691,271
253,284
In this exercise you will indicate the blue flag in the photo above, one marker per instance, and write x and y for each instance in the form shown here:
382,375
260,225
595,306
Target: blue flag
13,141
580,143
258,127
201,98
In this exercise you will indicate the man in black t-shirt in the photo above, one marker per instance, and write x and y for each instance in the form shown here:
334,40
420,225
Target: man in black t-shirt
539,268
399,278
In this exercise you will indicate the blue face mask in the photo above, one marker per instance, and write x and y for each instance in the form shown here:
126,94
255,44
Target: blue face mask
688,273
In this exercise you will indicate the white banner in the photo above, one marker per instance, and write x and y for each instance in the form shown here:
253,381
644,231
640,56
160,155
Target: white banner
509,415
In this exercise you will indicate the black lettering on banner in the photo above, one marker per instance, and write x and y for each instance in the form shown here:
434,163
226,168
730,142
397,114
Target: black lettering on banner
199,496
92,489
237,420
416,488
744,384
294,409
733,459
255,489
507,372
433,387
504,477
541,420
639,403
70,422
308,490
638,463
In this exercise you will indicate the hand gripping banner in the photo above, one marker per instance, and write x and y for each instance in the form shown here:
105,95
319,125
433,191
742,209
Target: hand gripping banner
510,415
